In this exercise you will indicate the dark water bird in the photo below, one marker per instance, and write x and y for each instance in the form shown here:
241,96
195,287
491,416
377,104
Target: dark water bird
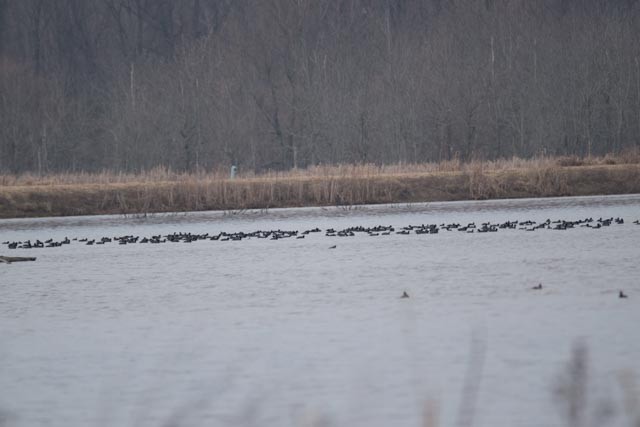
622,295
333,247
405,295
538,286
380,230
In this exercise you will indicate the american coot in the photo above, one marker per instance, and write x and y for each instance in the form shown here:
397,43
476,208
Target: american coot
405,295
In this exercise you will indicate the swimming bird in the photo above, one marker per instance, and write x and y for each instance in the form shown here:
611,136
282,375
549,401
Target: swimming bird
333,247
405,295
622,295
538,286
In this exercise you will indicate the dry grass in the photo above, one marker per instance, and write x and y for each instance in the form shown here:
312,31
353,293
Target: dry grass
162,190
164,175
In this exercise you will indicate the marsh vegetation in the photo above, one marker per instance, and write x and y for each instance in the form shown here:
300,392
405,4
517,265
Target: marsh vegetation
162,190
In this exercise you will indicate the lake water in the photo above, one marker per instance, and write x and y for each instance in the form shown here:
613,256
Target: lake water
289,332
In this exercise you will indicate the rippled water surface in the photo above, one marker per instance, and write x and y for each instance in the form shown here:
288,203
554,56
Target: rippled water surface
289,332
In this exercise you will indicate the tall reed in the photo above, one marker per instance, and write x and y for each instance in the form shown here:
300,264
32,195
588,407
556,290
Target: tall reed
163,190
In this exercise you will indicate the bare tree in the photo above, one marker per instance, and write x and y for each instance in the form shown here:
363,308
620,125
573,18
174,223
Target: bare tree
193,84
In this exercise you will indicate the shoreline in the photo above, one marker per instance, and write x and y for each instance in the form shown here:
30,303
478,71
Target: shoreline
186,193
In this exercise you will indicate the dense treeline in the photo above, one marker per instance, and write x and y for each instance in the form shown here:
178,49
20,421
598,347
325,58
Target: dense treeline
127,85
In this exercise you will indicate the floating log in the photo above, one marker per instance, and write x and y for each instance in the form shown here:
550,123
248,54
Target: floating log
10,259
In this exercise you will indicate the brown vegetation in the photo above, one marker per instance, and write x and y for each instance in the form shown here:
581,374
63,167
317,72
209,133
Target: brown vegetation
161,190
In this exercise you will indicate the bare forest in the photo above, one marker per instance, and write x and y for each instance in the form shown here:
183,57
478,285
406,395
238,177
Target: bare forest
196,85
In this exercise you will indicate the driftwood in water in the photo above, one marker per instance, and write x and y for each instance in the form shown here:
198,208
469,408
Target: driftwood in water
10,259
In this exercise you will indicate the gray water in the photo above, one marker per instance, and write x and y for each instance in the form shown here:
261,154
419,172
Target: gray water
292,333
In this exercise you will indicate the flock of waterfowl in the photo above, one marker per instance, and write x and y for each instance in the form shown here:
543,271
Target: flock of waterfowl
380,230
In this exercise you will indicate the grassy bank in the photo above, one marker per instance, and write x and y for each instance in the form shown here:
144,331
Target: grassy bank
164,191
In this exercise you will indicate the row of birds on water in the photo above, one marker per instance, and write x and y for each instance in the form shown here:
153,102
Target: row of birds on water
380,230
537,287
